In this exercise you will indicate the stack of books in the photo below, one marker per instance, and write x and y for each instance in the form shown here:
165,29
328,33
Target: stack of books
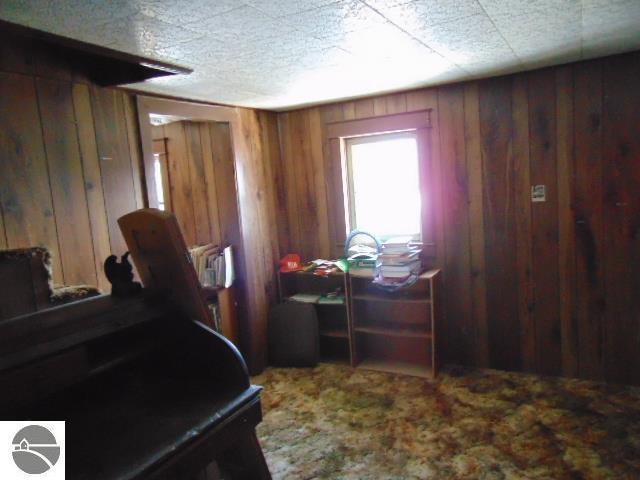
217,317
399,260
213,266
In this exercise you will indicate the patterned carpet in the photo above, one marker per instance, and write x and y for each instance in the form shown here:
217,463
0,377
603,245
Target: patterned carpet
334,422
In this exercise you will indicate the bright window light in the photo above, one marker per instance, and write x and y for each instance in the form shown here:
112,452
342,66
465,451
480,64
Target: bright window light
157,172
383,184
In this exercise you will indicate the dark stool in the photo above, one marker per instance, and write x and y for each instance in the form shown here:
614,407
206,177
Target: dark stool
293,335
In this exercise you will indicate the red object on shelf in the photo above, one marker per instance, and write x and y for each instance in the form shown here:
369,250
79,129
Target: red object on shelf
290,263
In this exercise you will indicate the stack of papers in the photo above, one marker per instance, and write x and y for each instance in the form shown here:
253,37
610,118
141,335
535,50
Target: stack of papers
400,258
304,298
213,267
335,300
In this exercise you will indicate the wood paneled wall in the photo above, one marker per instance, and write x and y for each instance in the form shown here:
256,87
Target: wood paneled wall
212,207
546,287
69,164
256,150
201,180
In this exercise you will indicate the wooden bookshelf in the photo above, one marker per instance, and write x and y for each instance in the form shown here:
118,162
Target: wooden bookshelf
392,366
374,329
388,298
334,324
395,332
225,298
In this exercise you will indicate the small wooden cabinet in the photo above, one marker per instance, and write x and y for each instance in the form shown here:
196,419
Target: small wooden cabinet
374,329
333,318
225,298
395,332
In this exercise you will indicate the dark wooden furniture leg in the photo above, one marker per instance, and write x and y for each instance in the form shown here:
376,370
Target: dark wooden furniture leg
245,461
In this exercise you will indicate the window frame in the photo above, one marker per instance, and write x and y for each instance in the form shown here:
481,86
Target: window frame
350,214
336,134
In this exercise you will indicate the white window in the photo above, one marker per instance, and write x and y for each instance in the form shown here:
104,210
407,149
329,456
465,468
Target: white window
383,185
157,173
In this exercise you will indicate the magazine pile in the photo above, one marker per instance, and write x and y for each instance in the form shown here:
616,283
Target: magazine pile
399,264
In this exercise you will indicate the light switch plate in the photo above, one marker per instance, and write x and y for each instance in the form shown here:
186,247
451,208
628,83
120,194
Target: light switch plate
538,193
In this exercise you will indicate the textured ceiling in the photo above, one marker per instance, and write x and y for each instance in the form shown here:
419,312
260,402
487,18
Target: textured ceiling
282,53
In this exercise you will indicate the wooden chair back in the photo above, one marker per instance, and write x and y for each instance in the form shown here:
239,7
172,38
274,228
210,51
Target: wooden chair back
162,259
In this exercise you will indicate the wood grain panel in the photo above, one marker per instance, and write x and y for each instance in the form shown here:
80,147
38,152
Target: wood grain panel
566,225
288,180
280,195
457,278
364,108
115,162
524,260
436,198
589,221
135,154
253,207
303,187
67,181
329,113
25,195
309,187
210,183
422,100
266,135
476,225
225,180
195,160
319,175
396,103
379,106
180,180
500,228
621,149
92,181
544,220
349,110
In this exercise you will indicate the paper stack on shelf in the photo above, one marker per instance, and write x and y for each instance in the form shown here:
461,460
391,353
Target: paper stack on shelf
363,267
362,260
213,267
331,300
399,261
217,318
304,298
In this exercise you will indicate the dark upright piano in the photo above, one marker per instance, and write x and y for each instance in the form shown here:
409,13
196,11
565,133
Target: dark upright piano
146,391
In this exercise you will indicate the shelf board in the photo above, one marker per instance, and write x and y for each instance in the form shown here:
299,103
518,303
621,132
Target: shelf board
423,276
343,304
392,366
378,298
335,333
300,272
393,332
317,303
